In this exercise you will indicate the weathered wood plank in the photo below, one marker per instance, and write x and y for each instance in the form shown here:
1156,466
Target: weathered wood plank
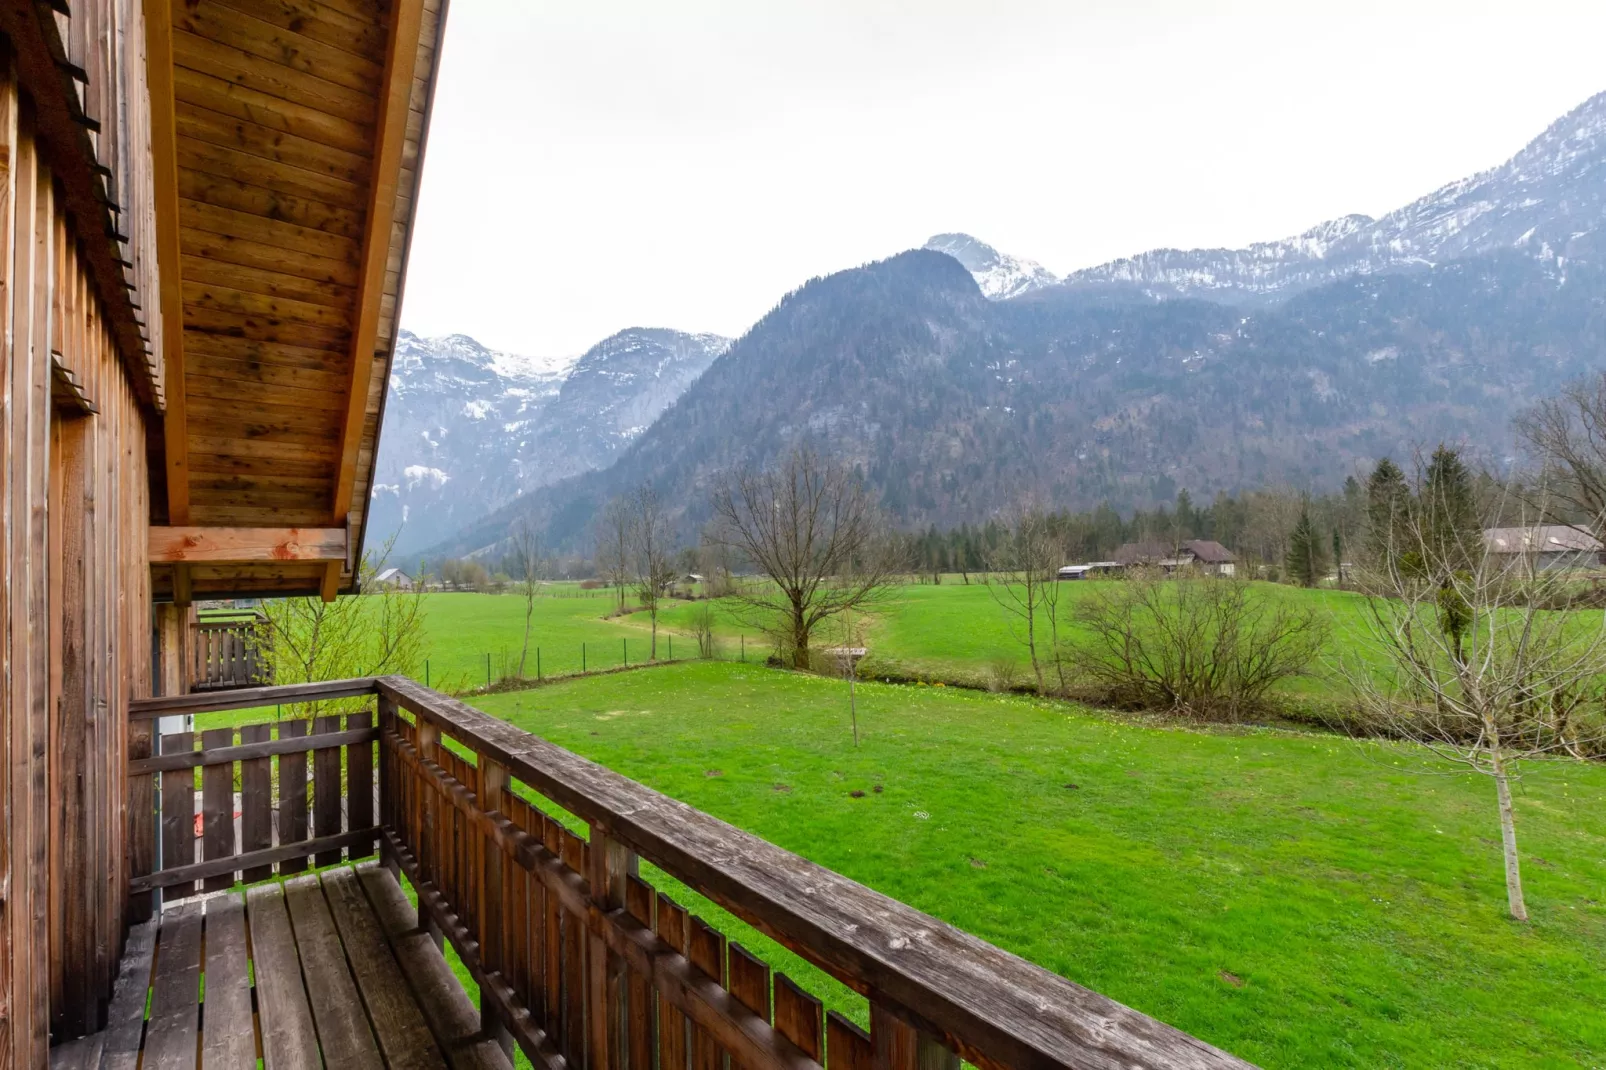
343,1030
289,1039
451,1017
168,545
125,1016
176,994
222,756
403,1035
228,1036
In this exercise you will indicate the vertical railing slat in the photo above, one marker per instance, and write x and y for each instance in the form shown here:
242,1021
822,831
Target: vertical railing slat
256,801
360,784
326,789
292,795
217,807
178,814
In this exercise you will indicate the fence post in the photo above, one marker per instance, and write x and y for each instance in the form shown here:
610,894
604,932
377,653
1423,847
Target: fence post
388,800
901,1046
426,672
487,669
582,657
625,645
491,934
537,664
610,866
429,737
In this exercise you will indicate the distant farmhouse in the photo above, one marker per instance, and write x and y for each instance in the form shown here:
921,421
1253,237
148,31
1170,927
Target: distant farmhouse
1554,546
394,577
1203,554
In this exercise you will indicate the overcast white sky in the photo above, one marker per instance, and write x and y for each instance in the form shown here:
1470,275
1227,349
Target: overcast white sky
599,164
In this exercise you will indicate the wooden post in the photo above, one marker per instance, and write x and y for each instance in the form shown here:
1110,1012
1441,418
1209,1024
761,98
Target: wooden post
610,866
901,1046
429,738
492,778
389,801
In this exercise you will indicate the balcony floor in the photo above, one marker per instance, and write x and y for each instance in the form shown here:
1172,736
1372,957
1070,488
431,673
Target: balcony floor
325,970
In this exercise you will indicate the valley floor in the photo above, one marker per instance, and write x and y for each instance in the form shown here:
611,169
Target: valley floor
1298,899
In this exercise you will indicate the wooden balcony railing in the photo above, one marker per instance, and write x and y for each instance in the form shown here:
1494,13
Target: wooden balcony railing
582,963
229,652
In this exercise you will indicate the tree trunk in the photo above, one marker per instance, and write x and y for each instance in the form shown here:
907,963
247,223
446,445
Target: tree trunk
800,640
1508,839
654,615
1031,637
529,609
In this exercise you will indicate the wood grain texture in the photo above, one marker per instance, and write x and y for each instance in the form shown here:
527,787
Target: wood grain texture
228,1037
289,1039
169,544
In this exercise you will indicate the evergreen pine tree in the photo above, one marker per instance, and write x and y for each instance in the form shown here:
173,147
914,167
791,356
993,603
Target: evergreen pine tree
1449,507
1388,502
1304,559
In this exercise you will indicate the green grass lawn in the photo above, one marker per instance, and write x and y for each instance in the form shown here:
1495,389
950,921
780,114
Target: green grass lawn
1298,899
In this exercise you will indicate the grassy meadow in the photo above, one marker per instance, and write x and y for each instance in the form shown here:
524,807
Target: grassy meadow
1297,898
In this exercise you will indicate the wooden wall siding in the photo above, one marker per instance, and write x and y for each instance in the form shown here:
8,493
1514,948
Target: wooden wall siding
74,604
276,111
85,70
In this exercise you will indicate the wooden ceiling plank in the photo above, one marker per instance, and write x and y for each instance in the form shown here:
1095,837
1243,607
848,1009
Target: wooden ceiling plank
266,257
214,219
361,36
274,79
265,374
243,196
248,33
221,96
400,57
201,318
224,161
172,545
265,143
268,284
235,392
246,303
164,154
276,353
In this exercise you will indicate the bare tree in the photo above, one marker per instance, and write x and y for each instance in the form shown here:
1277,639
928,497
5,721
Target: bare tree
1204,646
528,568
1023,578
812,529
613,547
1469,661
370,634
1566,435
651,552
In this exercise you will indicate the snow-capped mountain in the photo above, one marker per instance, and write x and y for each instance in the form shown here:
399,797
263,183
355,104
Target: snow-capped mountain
467,429
998,274
1542,201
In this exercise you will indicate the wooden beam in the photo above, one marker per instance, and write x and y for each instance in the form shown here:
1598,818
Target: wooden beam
401,57
172,545
330,585
164,153
182,595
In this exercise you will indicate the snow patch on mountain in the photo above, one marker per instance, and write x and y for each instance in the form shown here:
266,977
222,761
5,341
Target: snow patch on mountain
999,275
1546,198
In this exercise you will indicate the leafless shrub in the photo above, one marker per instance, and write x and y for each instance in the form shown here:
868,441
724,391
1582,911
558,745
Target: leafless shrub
1203,646
1002,673
703,623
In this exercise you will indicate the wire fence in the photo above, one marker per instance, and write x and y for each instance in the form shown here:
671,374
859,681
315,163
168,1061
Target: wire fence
493,668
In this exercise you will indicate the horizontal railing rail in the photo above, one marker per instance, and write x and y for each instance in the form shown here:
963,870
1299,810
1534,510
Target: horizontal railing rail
585,965
260,813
